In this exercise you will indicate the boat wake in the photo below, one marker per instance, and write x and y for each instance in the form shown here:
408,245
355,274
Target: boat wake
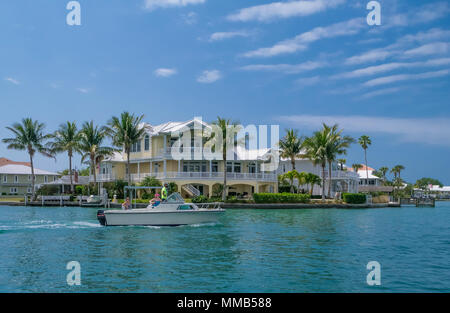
46,224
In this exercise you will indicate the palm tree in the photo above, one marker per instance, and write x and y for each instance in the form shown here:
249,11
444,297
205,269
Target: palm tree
29,136
291,146
91,140
291,176
383,171
228,130
342,163
316,151
365,142
312,180
67,138
337,144
356,167
125,132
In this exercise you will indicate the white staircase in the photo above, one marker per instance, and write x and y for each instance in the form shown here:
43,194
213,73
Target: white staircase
191,190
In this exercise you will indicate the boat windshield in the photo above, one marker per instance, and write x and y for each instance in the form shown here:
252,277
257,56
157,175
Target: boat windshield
175,197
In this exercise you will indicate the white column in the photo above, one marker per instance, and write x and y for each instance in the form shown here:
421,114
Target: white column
179,166
165,143
210,168
139,170
165,168
151,168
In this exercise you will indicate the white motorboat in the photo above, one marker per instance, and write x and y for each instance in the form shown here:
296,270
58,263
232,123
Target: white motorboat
173,212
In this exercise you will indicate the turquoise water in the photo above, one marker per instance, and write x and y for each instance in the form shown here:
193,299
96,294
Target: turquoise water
249,251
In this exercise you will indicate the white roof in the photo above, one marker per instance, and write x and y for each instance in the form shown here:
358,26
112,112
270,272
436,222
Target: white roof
22,169
363,175
438,188
173,126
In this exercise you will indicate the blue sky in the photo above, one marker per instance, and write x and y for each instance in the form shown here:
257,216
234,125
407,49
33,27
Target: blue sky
292,63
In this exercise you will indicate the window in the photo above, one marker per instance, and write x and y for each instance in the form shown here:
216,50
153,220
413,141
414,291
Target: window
252,168
5,178
147,143
229,167
13,190
16,179
29,190
45,179
29,177
237,167
136,147
215,166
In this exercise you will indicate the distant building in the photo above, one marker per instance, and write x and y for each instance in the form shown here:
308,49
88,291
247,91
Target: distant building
369,182
15,177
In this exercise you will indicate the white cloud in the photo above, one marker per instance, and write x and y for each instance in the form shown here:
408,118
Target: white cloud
227,35
380,92
377,69
370,56
12,80
278,10
431,34
165,72
84,90
189,18
307,81
428,49
154,4
403,77
285,68
208,77
301,42
418,15
417,130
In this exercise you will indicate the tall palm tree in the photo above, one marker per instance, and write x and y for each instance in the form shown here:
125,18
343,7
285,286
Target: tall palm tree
67,138
228,130
29,136
91,140
291,146
316,151
125,131
337,144
365,141
356,167
291,176
383,171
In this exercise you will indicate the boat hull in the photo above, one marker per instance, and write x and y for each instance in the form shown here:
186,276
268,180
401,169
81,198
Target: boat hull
149,218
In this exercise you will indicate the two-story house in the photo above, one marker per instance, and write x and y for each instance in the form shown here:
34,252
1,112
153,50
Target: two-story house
155,156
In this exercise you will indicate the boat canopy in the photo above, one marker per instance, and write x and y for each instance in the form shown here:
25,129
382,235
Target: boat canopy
175,197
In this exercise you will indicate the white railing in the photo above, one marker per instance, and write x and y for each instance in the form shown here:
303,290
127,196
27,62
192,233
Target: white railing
102,178
192,190
207,175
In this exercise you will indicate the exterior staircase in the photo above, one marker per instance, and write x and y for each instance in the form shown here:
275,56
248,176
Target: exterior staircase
191,190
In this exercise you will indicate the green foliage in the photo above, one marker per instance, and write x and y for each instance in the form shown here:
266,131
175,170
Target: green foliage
115,188
217,191
424,182
79,190
281,198
173,187
354,198
84,172
151,181
200,199
48,190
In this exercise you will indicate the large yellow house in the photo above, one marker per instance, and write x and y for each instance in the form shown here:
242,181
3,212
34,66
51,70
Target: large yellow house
153,156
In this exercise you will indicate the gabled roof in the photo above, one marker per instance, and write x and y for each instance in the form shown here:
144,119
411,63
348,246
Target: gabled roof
19,169
170,127
65,180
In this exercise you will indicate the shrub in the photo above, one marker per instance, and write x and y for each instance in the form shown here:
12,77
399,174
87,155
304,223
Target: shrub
281,198
78,190
48,190
200,199
354,198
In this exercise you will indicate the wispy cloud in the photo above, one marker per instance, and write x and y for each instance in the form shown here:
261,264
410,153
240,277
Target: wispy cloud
418,130
382,68
380,92
208,77
418,15
227,35
279,10
84,90
165,72
12,80
155,4
190,18
428,49
405,77
286,68
307,81
301,41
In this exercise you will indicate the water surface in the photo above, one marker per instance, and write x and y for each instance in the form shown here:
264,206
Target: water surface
321,250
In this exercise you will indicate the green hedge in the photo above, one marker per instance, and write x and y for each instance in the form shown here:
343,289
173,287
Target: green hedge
354,198
281,198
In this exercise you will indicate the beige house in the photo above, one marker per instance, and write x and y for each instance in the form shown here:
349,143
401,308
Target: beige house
155,156
15,177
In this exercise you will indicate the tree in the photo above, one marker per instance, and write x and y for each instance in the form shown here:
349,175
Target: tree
29,136
356,167
91,146
125,131
383,171
228,129
291,176
291,146
425,182
337,144
312,180
316,151
67,139
396,170
342,163
365,141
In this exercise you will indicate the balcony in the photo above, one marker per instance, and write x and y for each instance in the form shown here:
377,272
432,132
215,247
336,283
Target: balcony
269,177
103,178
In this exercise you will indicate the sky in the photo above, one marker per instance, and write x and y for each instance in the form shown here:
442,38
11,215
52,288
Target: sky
294,63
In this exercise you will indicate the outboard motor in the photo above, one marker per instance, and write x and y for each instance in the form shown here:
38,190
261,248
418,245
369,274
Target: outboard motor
101,217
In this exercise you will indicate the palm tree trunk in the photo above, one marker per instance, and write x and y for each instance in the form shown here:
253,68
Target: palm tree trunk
323,182
128,168
367,170
72,189
224,191
329,179
33,193
93,170
293,163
